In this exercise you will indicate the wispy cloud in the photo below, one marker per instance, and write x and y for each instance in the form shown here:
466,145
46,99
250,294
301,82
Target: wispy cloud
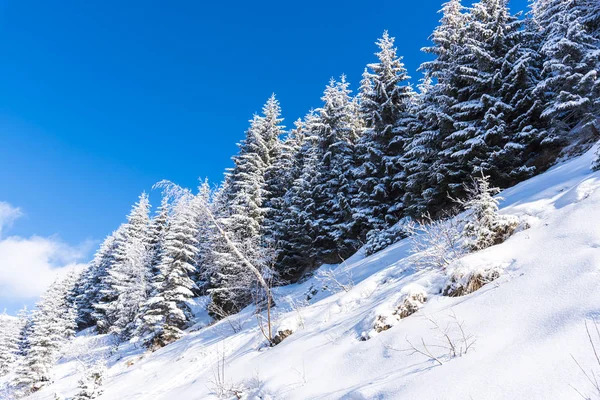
29,265
8,215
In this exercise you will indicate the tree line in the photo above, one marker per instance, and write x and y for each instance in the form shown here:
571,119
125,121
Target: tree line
502,96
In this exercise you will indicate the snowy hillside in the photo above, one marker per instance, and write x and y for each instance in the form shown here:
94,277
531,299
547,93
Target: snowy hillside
528,326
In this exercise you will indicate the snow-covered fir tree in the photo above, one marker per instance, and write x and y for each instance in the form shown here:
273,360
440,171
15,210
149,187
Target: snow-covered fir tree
53,324
385,99
248,193
25,325
167,313
158,228
282,174
9,342
337,130
96,278
296,233
570,80
126,286
90,384
205,232
480,113
91,279
484,225
426,189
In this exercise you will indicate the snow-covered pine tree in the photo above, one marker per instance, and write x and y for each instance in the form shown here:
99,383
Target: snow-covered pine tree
90,282
385,98
205,231
53,323
590,17
126,286
9,342
281,174
297,232
25,325
98,290
570,80
220,210
480,113
167,313
337,132
526,152
248,194
426,184
484,226
90,385
158,228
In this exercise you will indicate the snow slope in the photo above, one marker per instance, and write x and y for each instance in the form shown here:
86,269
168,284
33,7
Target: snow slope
528,324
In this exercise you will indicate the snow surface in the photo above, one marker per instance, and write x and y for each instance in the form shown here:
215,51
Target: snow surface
528,324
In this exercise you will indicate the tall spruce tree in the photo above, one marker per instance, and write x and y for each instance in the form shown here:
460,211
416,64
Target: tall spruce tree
426,185
124,289
570,80
91,282
53,323
297,232
167,312
480,113
9,342
337,132
248,195
385,98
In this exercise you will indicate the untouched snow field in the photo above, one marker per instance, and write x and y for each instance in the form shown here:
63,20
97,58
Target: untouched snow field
529,324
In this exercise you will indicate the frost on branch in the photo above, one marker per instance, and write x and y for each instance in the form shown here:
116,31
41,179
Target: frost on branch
436,243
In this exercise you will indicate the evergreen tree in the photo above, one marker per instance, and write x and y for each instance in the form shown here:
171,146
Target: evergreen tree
9,342
282,174
485,226
90,283
384,102
426,172
298,230
158,228
53,323
480,113
99,292
204,238
570,82
337,131
249,189
126,286
25,326
167,313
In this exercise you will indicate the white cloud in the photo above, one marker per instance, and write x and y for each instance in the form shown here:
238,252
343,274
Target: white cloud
29,265
8,215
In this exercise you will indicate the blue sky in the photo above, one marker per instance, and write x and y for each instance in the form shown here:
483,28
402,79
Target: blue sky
101,99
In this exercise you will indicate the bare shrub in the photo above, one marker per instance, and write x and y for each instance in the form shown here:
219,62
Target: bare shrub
330,280
592,375
452,342
219,384
297,307
436,243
